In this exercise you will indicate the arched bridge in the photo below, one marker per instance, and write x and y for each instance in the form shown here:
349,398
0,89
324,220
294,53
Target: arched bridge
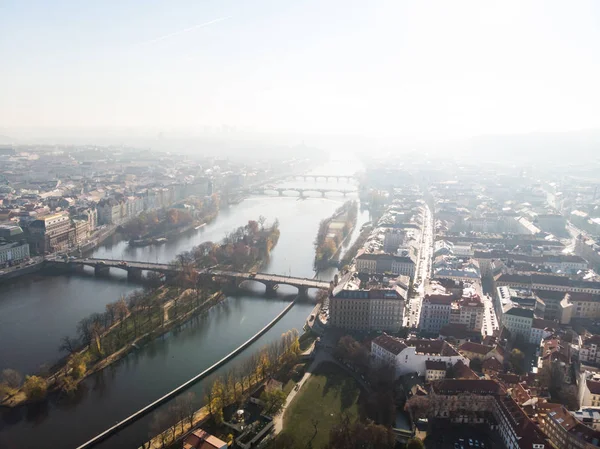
326,178
302,191
235,278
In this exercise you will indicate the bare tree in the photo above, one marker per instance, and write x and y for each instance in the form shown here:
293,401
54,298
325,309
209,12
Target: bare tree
68,344
12,378
187,404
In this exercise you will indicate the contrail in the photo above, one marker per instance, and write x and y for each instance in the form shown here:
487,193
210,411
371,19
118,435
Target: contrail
185,30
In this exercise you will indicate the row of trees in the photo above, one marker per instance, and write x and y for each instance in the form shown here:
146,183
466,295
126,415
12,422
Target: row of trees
233,387
240,249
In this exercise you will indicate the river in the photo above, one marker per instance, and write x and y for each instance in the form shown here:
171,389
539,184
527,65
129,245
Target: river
32,328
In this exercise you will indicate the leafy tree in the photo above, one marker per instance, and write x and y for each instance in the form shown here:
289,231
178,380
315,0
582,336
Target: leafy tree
415,443
516,359
78,365
35,387
358,435
68,385
418,407
476,365
273,400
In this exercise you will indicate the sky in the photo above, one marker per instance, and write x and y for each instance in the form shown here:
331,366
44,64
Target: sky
386,69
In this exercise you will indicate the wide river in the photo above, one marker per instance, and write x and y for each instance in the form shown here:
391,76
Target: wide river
36,311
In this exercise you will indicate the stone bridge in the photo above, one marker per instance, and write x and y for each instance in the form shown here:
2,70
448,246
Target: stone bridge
326,178
301,190
135,270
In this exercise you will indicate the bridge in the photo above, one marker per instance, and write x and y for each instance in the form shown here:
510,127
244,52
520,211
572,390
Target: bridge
301,190
327,178
135,271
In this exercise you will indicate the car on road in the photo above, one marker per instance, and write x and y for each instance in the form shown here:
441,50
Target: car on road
123,263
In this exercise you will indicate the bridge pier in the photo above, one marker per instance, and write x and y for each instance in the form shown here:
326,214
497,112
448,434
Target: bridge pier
303,292
271,288
322,193
101,270
134,274
75,268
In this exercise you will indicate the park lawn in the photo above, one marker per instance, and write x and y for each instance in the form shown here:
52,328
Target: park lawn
324,398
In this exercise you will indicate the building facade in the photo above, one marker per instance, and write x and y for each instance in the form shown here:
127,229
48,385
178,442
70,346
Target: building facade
411,356
12,253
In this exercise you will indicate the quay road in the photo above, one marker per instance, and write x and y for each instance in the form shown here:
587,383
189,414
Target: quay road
269,280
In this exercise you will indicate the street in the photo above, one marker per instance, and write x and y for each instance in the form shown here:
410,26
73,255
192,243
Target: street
422,271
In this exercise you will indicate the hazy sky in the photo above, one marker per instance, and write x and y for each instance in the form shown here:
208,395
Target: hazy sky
447,68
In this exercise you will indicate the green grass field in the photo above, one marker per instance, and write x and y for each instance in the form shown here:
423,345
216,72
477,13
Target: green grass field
320,404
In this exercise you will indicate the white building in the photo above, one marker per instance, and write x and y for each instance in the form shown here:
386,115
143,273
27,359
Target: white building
518,321
435,370
13,253
410,356
588,391
590,416
589,351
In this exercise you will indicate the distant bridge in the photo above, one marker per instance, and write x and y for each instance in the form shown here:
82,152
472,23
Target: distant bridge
134,272
301,190
326,178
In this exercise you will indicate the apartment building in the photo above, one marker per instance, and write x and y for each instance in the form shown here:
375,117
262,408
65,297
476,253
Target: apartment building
547,282
411,356
378,305
486,402
380,263
51,233
13,252
518,321
589,351
435,312
564,431
468,312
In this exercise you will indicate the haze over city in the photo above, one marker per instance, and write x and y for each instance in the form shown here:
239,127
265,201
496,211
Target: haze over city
384,71
299,225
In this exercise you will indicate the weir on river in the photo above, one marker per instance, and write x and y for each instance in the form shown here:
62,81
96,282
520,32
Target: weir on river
181,388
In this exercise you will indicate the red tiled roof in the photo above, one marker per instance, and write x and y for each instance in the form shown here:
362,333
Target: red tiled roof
435,365
593,386
593,340
539,323
390,344
439,299
492,364
457,386
469,346
462,371
584,297
459,331
200,439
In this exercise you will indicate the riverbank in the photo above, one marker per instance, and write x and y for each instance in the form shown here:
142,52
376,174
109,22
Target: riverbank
175,232
247,246
333,232
54,381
